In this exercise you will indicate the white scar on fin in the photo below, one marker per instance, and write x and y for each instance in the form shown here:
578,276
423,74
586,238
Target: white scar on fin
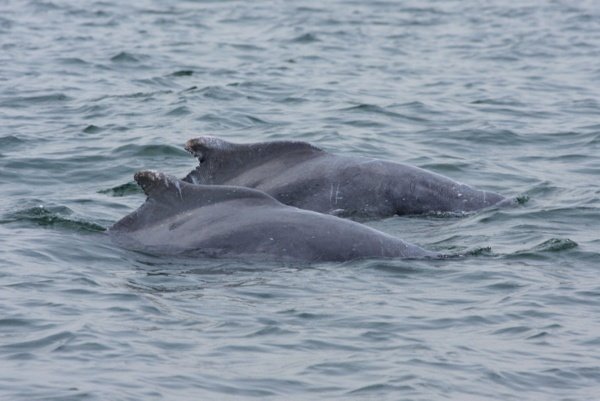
214,142
178,189
331,195
155,176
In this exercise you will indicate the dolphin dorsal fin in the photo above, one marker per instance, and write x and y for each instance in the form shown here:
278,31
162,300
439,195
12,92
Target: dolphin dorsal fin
200,147
203,146
221,161
169,190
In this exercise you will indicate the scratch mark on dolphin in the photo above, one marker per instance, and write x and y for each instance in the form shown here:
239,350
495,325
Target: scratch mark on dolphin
331,195
178,189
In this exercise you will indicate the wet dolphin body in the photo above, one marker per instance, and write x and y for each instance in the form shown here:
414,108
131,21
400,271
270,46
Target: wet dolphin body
302,175
179,217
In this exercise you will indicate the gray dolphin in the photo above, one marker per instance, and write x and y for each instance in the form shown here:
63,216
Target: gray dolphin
302,175
179,218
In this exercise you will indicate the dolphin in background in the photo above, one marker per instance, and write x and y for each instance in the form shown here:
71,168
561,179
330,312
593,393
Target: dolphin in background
305,176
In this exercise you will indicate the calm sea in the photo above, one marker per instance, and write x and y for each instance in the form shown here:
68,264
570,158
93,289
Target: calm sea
502,95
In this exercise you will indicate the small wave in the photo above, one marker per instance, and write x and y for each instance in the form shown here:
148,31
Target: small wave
246,47
480,251
306,38
150,150
379,389
502,101
308,9
51,217
542,250
460,254
294,100
50,341
72,61
159,82
182,73
92,129
216,92
5,23
23,101
124,57
44,6
179,111
235,120
487,136
445,215
419,108
129,188
10,140
220,93
555,245
134,95
373,109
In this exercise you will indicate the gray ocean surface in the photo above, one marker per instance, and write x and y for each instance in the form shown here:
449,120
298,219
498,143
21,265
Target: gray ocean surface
502,95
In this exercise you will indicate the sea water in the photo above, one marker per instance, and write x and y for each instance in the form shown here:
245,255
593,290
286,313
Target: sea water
501,95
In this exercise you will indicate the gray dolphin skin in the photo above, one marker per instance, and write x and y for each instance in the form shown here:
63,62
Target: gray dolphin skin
302,175
228,221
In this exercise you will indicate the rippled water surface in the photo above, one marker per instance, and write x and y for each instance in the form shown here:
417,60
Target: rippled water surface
502,95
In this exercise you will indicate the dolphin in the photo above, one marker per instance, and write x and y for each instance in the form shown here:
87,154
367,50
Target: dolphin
228,221
302,175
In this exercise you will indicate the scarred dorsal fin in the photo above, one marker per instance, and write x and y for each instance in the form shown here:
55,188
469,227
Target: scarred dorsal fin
221,161
169,189
169,196
154,182
202,146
